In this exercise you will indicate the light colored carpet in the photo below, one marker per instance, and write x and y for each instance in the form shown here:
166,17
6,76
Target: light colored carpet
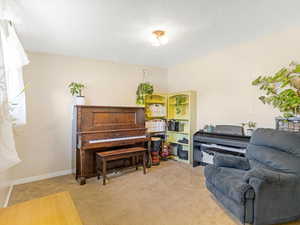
170,194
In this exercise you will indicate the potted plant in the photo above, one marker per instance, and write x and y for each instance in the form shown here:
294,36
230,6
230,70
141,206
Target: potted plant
251,127
76,91
179,100
282,90
141,92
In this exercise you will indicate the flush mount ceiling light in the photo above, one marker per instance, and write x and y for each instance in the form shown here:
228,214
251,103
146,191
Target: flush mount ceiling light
158,38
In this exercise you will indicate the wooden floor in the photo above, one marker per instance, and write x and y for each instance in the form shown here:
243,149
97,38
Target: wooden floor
56,209
170,194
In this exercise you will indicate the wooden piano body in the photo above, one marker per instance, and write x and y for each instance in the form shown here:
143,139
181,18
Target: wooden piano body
102,128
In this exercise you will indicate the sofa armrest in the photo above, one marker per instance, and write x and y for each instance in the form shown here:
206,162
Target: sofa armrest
269,176
223,160
275,193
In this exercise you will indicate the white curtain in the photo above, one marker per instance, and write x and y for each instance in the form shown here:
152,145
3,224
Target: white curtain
12,96
14,59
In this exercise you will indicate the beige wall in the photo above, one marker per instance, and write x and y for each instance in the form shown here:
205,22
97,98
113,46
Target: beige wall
44,144
223,78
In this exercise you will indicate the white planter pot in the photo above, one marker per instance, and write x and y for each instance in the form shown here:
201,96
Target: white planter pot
297,116
249,132
79,100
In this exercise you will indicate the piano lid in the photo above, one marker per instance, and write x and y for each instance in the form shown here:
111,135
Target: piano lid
229,129
225,132
200,135
99,118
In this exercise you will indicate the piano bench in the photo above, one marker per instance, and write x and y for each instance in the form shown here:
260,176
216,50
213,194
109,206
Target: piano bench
135,154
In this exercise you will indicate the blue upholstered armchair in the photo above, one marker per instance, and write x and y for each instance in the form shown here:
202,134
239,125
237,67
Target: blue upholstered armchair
264,187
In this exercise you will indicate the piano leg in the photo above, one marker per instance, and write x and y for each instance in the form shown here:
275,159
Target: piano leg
104,170
81,180
98,166
144,162
136,162
149,161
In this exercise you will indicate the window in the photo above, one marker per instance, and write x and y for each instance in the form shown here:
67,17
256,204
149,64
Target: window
14,58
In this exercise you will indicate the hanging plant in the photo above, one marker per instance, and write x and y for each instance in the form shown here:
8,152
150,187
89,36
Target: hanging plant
282,90
141,92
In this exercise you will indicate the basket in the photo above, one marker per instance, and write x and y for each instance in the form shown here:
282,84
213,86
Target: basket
288,124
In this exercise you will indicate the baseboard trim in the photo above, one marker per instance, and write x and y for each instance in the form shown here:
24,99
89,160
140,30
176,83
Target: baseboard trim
8,196
42,177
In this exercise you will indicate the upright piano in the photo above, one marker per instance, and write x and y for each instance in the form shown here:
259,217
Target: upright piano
102,128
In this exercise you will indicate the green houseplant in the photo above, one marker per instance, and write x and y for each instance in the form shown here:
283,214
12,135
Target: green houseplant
141,92
282,90
76,91
179,101
251,126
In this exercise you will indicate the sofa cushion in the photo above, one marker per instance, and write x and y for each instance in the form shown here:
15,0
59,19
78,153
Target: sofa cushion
230,182
231,161
288,142
273,159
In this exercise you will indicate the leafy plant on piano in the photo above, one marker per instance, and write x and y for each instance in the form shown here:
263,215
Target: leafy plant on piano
76,89
282,90
142,91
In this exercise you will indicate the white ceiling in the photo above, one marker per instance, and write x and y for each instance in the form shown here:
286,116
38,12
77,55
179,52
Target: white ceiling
118,30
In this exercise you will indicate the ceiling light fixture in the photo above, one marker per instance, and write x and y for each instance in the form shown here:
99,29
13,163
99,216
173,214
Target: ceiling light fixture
159,38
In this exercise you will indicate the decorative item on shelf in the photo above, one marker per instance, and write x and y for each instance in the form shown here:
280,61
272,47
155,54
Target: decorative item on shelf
282,90
175,125
181,153
156,125
179,101
171,125
209,128
156,144
184,140
157,110
165,152
173,149
251,127
76,91
156,106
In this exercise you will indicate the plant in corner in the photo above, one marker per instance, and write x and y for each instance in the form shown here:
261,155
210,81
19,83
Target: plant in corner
76,90
282,90
141,92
